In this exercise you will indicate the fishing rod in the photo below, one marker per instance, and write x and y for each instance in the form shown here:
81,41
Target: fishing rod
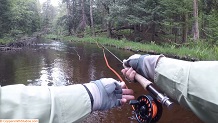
147,108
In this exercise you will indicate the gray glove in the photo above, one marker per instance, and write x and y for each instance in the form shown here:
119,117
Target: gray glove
106,93
143,64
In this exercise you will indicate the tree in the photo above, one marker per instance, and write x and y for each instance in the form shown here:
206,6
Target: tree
48,14
155,20
24,17
77,14
105,9
176,20
83,22
70,6
146,14
91,18
4,17
195,26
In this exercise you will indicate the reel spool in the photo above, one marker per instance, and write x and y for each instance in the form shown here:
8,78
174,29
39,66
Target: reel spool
146,109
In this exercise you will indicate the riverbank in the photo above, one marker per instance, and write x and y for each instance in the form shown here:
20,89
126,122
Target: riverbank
9,43
192,52
19,44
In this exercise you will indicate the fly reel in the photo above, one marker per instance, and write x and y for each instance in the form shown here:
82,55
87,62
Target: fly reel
146,109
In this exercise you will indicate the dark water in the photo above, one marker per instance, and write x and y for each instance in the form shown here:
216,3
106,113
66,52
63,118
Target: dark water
61,64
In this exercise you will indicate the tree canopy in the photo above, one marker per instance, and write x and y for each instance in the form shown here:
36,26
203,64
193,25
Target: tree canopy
137,20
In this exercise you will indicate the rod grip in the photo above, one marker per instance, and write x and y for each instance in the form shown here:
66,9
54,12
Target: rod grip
147,85
142,80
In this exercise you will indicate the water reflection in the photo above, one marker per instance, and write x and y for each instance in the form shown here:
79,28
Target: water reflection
60,64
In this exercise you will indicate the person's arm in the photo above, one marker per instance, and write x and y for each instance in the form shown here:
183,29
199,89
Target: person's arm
192,84
63,104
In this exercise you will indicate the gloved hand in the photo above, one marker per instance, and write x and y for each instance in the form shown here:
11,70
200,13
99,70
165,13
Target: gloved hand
142,64
108,93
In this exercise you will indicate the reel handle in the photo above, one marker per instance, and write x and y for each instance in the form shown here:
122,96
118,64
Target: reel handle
147,85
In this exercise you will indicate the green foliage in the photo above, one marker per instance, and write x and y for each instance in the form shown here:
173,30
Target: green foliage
60,22
146,12
48,14
211,31
53,36
19,17
168,20
4,17
5,40
25,16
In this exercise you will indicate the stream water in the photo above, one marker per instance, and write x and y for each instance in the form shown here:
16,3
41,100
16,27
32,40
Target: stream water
60,64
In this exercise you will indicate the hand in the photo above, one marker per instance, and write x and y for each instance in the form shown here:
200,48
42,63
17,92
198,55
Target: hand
142,64
129,74
109,93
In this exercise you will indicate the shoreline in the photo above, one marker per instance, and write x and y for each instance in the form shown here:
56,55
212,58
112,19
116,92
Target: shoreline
19,44
125,45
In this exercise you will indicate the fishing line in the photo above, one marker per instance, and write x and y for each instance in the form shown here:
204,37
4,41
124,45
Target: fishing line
106,61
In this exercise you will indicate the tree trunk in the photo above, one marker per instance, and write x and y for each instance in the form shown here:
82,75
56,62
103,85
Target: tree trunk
153,31
153,28
108,22
82,24
83,15
91,17
109,34
203,26
185,28
69,17
195,28
73,11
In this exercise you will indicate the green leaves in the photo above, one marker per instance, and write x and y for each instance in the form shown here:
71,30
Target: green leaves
4,17
19,15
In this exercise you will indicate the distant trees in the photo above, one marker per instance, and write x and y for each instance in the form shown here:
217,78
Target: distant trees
18,17
165,20
140,20
4,17
48,14
24,16
76,15
152,20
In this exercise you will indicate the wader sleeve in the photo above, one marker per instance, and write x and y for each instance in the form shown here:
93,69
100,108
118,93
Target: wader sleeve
192,84
65,104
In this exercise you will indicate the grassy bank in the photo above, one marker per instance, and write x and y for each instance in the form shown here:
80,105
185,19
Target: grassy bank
197,50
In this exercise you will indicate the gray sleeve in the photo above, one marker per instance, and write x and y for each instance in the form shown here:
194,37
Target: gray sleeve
193,84
63,104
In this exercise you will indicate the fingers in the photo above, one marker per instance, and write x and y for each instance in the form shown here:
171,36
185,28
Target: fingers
127,92
129,73
126,98
124,71
123,85
127,95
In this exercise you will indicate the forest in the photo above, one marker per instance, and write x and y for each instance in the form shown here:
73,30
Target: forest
158,21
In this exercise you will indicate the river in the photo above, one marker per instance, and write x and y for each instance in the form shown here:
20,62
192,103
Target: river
60,64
